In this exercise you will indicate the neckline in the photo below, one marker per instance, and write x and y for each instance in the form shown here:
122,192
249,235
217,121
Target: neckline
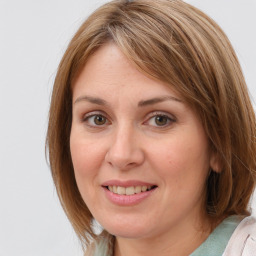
217,241
214,245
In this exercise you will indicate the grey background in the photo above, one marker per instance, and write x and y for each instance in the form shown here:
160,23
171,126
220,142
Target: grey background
33,37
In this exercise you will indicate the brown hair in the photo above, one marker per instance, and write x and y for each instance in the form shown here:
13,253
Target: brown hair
178,44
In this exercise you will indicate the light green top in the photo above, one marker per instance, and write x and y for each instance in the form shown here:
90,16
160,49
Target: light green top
217,241
214,245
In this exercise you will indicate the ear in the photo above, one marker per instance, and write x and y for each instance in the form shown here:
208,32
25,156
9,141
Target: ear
215,163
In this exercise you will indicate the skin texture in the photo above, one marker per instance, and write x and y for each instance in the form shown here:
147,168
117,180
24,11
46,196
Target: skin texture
129,144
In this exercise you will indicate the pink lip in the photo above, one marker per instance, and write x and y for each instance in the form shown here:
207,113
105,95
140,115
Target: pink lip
127,200
127,183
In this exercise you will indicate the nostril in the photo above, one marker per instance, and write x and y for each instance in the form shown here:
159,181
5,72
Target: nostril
124,157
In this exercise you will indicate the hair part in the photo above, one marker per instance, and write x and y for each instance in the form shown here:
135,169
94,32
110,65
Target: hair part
171,41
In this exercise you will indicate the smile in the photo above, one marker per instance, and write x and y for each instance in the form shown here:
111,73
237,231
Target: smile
129,190
128,193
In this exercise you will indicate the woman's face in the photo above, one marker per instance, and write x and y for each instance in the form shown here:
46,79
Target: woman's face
140,154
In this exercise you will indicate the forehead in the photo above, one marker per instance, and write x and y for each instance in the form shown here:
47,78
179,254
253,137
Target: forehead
108,71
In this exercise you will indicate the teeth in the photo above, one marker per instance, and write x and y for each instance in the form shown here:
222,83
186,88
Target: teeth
138,189
120,190
144,188
129,190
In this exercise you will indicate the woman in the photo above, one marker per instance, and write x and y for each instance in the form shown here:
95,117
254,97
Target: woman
152,133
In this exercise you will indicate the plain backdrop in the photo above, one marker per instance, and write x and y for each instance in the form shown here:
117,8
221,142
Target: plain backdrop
33,37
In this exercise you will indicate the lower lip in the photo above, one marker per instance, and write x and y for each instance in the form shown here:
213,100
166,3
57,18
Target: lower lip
128,200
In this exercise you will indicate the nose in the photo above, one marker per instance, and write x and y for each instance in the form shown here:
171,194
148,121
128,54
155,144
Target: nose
125,152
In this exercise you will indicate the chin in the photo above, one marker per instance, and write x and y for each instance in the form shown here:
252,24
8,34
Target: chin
126,230
130,234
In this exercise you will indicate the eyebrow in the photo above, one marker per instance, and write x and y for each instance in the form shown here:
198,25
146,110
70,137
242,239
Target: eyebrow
156,100
90,99
141,103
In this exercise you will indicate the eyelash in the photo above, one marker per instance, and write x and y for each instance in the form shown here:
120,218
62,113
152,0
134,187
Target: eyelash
87,117
170,119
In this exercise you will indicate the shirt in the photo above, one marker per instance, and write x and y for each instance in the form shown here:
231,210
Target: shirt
234,236
217,241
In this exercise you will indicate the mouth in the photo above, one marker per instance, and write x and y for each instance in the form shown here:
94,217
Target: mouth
131,190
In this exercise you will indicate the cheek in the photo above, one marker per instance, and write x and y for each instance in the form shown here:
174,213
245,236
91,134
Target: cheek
182,159
87,158
86,163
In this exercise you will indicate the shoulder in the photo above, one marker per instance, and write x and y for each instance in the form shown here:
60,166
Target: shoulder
243,240
103,245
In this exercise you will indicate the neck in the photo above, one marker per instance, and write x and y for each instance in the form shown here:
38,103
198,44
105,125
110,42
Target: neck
179,241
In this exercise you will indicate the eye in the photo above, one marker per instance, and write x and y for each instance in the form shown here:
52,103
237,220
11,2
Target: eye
95,120
160,120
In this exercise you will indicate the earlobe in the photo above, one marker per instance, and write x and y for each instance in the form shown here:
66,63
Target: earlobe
215,163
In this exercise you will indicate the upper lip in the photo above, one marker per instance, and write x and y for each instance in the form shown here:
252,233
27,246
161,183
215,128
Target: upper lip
126,183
